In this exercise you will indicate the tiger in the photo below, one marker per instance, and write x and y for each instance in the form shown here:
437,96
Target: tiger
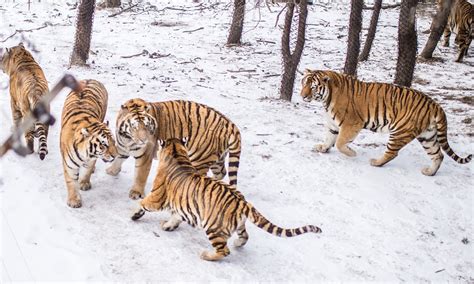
211,137
27,86
84,137
203,202
352,105
460,21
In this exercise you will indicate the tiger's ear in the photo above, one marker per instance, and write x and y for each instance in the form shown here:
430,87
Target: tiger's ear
21,45
107,123
148,107
307,71
184,140
84,132
161,143
123,107
326,79
7,50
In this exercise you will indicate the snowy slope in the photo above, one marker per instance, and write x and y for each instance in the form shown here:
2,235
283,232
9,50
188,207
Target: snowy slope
383,224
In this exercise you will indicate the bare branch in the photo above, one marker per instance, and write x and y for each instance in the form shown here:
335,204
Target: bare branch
123,10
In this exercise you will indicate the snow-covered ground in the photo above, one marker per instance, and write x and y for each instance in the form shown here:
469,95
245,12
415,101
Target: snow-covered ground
383,224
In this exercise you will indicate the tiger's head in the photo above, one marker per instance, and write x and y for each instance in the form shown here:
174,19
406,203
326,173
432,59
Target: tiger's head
98,141
12,56
138,124
315,85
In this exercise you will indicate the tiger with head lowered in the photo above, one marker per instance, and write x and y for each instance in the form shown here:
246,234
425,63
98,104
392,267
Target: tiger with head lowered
204,202
461,22
211,137
84,137
352,105
27,86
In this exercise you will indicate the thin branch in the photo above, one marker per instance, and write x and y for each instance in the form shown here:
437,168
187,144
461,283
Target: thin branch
383,7
46,24
192,31
242,70
278,16
123,10
144,52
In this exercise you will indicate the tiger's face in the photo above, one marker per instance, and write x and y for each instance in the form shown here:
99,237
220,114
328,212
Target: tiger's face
99,142
139,125
315,85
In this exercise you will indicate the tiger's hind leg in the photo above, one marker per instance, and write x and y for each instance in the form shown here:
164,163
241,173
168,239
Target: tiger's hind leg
30,140
218,241
428,140
85,179
463,40
218,169
396,142
346,135
242,234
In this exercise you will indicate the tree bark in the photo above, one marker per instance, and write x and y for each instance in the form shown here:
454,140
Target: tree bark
235,33
353,41
407,43
291,60
437,27
82,43
364,55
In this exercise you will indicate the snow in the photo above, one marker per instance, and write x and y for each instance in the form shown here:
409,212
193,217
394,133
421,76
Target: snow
379,224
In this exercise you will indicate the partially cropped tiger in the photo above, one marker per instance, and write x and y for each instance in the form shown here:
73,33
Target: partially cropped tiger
84,137
352,105
201,201
461,22
27,85
211,137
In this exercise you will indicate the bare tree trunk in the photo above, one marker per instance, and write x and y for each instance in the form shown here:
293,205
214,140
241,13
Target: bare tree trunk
437,27
353,42
364,55
407,43
291,60
82,43
235,33
113,3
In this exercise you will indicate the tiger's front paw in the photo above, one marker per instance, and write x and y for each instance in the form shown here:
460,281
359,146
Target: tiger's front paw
321,148
138,214
168,225
135,194
74,202
347,151
428,171
375,163
113,171
85,185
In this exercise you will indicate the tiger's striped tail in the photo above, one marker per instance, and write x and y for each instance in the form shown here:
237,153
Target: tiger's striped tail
442,133
260,221
41,132
234,158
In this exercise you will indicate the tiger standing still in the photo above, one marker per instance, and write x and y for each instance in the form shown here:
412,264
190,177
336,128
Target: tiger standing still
211,137
352,105
27,86
84,137
461,22
204,202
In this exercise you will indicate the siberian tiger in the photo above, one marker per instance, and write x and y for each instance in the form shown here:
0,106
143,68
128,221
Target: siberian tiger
201,201
211,137
27,85
352,105
460,21
84,137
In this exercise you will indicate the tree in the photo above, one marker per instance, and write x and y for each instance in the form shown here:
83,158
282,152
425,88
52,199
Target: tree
82,42
407,43
353,41
437,27
364,55
235,33
291,60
